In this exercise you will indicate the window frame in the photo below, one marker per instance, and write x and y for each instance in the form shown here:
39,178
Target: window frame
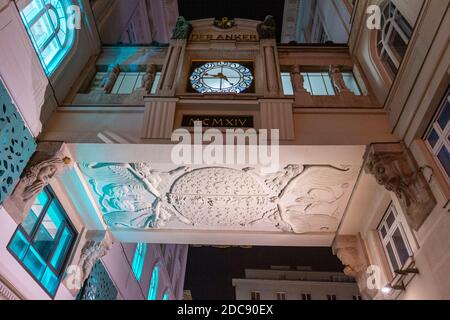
67,222
152,294
386,34
397,224
255,295
443,140
331,297
281,295
138,262
306,296
306,74
44,13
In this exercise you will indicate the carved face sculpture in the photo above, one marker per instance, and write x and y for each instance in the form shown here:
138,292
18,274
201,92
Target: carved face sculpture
47,172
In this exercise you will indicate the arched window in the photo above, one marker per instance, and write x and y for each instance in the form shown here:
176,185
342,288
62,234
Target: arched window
47,23
153,290
393,38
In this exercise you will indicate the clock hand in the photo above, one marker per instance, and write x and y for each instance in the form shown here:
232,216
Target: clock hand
224,77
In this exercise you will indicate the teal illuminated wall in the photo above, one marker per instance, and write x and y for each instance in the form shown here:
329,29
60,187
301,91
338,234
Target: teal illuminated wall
17,145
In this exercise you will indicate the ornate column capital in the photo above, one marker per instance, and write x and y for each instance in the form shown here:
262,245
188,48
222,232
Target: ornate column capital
50,159
394,167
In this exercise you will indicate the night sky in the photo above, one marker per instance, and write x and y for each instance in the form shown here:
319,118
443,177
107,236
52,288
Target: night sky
246,9
210,270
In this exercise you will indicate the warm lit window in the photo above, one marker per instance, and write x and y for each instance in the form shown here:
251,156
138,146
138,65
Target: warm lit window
281,295
286,81
153,290
43,242
255,295
318,83
128,82
438,135
138,260
394,240
47,23
393,38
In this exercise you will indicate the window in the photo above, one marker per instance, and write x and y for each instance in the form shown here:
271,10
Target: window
281,295
286,81
331,297
138,260
255,295
393,38
306,296
351,83
128,82
153,290
357,298
438,136
46,22
318,83
394,240
43,242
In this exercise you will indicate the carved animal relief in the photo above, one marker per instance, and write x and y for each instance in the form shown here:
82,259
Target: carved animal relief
298,199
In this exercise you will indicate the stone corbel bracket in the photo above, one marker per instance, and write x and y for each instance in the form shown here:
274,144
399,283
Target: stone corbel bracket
97,245
350,250
394,167
49,160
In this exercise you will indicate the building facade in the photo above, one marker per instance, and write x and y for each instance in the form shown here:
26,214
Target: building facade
362,163
295,284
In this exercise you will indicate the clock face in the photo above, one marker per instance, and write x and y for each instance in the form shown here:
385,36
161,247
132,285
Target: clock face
221,77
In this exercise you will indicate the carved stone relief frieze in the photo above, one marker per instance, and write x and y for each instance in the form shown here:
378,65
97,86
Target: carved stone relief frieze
298,199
